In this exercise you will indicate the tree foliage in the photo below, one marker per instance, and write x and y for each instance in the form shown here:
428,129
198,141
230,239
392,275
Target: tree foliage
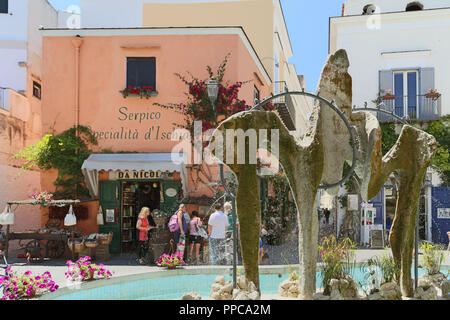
441,131
64,152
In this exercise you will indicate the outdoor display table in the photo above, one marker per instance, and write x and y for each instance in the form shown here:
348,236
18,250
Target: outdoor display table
41,245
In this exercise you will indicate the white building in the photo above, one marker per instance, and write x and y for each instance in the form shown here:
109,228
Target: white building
392,48
21,44
20,98
398,51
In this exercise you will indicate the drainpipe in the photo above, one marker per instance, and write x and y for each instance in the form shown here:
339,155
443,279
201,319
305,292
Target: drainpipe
77,42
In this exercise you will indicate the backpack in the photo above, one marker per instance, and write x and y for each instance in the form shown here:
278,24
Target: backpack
173,223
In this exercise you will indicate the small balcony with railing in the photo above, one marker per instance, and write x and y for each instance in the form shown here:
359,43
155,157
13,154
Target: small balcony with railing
285,105
425,107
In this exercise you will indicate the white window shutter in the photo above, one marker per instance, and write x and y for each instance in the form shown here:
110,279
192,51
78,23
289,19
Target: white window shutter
427,107
386,80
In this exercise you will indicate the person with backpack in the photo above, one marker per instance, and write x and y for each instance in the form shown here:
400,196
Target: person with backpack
175,222
195,238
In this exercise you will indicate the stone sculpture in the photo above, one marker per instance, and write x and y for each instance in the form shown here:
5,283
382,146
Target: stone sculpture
319,158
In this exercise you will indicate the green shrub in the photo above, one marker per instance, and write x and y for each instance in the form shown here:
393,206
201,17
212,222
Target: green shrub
338,260
432,257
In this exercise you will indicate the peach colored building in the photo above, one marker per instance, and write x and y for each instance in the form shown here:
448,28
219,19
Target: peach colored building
262,21
83,72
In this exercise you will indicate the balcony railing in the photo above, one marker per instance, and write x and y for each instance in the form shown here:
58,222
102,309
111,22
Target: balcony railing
413,107
285,105
4,98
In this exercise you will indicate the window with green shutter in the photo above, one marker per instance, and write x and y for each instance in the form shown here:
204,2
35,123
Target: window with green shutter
110,200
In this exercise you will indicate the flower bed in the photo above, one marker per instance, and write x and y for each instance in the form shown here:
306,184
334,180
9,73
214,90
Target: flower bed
26,286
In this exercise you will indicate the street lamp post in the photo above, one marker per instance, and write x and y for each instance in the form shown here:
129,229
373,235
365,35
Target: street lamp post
213,91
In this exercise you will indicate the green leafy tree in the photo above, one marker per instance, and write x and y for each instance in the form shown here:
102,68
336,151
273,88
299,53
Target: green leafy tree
66,153
441,161
441,131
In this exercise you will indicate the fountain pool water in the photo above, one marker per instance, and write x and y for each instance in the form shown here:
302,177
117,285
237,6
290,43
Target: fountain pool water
171,285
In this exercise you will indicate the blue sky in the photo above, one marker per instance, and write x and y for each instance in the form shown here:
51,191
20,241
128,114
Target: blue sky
307,23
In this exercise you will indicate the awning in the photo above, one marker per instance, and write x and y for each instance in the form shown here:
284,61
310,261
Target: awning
171,162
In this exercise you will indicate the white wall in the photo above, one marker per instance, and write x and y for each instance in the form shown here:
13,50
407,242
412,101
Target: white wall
13,26
418,39
111,13
11,75
41,14
355,7
13,38
20,40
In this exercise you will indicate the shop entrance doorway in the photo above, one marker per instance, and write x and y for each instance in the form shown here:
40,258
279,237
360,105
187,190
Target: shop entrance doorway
135,196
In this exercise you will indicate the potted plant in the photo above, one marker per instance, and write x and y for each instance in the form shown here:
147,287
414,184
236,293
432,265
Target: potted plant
83,269
432,94
170,261
42,197
389,95
142,92
26,286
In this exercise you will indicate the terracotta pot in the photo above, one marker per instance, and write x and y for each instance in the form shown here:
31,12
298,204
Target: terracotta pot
171,267
388,97
433,95
33,293
90,276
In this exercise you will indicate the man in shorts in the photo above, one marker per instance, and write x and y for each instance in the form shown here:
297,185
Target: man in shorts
217,228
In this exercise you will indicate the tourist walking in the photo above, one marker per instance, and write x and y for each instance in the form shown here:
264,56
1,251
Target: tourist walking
217,227
143,226
228,209
194,237
327,213
262,243
183,227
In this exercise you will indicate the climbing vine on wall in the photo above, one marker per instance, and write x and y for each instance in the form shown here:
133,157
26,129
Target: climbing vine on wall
66,153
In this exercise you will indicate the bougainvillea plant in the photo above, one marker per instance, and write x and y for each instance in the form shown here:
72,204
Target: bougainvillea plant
26,286
198,106
172,260
84,270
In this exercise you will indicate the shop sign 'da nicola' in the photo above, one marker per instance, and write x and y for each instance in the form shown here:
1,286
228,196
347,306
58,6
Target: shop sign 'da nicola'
141,174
